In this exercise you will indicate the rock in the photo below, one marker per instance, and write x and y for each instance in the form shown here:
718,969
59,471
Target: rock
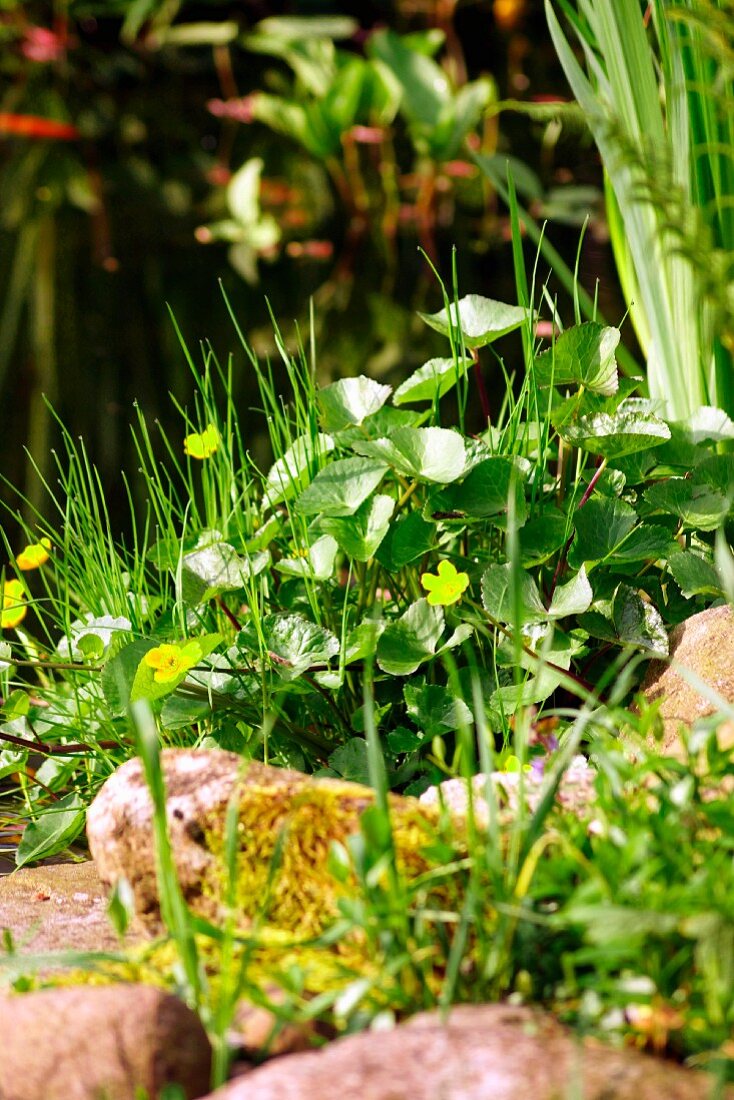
482,1051
274,805
705,645
112,1042
55,908
576,792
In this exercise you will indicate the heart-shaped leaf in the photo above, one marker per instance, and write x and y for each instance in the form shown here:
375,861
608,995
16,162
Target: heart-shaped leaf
631,428
581,356
292,472
54,831
350,401
318,562
431,381
360,535
412,639
427,454
480,320
341,487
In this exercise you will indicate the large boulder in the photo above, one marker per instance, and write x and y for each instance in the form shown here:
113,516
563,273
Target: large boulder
117,1042
703,644
481,1052
287,823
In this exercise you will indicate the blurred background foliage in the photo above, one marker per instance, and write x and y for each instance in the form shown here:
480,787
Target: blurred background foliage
300,152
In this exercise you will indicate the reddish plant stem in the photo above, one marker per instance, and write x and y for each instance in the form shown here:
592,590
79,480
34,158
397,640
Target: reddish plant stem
482,389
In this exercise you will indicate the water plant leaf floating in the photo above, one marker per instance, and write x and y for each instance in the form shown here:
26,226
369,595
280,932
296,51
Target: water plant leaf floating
317,563
427,454
432,380
295,469
446,586
34,555
360,535
410,640
583,356
201,445
350,401
53,832
341,487
631,428
14,607
480,320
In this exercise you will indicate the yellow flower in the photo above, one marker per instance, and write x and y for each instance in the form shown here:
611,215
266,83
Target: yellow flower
34,555
447,587
202,445
169,661
13,604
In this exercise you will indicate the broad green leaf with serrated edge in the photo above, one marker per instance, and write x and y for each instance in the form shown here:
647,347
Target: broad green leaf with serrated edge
572,598
697,504
318,562
412,639
497,596
541,537
613,435
294,643
694,575
409,538
485,491
341,487
637,622
360,535
601,525
581,356
350,761
350,401
54,831
427,454
292,472
435,710
211,570
362,641
432,380
481,320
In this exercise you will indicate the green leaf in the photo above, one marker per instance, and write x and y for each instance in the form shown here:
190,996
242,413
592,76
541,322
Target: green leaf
294,643
638,622
52,833
341,487
401,739
360,535
435,710
480,320
299,28
694,575
498,600
350,761
350,401
318,563
696,503
118,675
211,570
412,639
541,537
292,472
485,491
427,454
631,428
431,381
425,88
145,685
601,526
409,538
572,598
581,356
362,641
181,712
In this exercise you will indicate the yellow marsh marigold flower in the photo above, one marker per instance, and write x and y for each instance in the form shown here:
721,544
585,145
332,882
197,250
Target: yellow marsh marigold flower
447,586
202,445
169,661
13,604
34,555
